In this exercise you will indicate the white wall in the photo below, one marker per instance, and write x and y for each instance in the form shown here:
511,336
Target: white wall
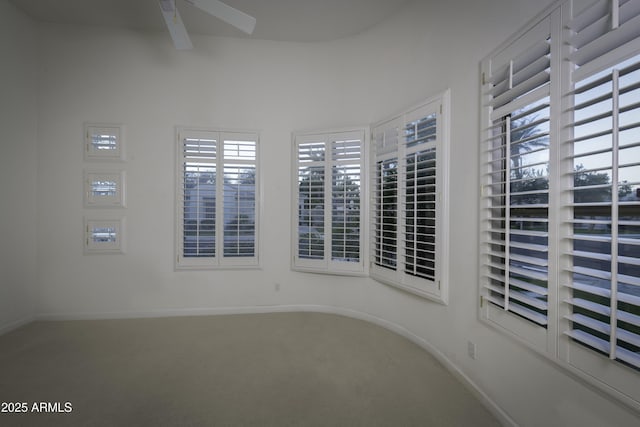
109,75
18,137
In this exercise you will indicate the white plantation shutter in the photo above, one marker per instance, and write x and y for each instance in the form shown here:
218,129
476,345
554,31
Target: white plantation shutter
515,178
217,204
385,199
601,279
346,195
387,137
386,219
519,74
420,182
239,196
311,200
197,195
328,206
103,142
408,219
560,201
103,236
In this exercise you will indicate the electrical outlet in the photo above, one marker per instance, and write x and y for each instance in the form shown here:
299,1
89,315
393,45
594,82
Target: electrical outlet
471,350
277,287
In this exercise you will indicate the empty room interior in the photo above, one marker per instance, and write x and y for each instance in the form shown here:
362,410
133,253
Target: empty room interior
320,212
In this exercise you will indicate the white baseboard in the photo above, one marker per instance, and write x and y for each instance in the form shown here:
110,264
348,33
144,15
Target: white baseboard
16,324
493,407
183,312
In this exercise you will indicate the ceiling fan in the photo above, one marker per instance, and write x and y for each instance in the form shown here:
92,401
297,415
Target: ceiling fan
215,8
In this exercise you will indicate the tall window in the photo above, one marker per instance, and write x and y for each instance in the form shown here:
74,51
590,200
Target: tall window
560,206
515,174
601,274
409,212
329,201
217,199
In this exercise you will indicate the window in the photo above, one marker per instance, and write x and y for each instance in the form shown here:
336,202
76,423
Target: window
601,273
515,177
103,142
560,205
104,188
409,189
217,199
103,236
329,202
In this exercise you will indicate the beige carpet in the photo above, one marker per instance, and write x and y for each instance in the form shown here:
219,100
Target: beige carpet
285,369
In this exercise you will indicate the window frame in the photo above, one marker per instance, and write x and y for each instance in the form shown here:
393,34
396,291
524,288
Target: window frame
114,176
219,260
437,289
542,339
114,131
326,264
117,225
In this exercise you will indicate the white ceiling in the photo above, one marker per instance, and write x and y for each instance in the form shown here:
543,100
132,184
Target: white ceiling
284,20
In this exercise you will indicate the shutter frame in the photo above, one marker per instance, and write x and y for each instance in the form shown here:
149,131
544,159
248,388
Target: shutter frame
411,252
343,168
203,151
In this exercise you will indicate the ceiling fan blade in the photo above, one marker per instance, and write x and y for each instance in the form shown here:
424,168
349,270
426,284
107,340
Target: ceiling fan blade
174,23
228,14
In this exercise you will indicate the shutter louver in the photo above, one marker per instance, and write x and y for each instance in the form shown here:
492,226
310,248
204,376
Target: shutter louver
199,197
239,198
102,142
386,210
386,140
420,197
523,79
604,287
515,217
601,30
311,170
385,215
345,205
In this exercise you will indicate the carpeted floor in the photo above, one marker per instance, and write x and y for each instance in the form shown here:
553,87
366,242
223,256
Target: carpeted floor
284,369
